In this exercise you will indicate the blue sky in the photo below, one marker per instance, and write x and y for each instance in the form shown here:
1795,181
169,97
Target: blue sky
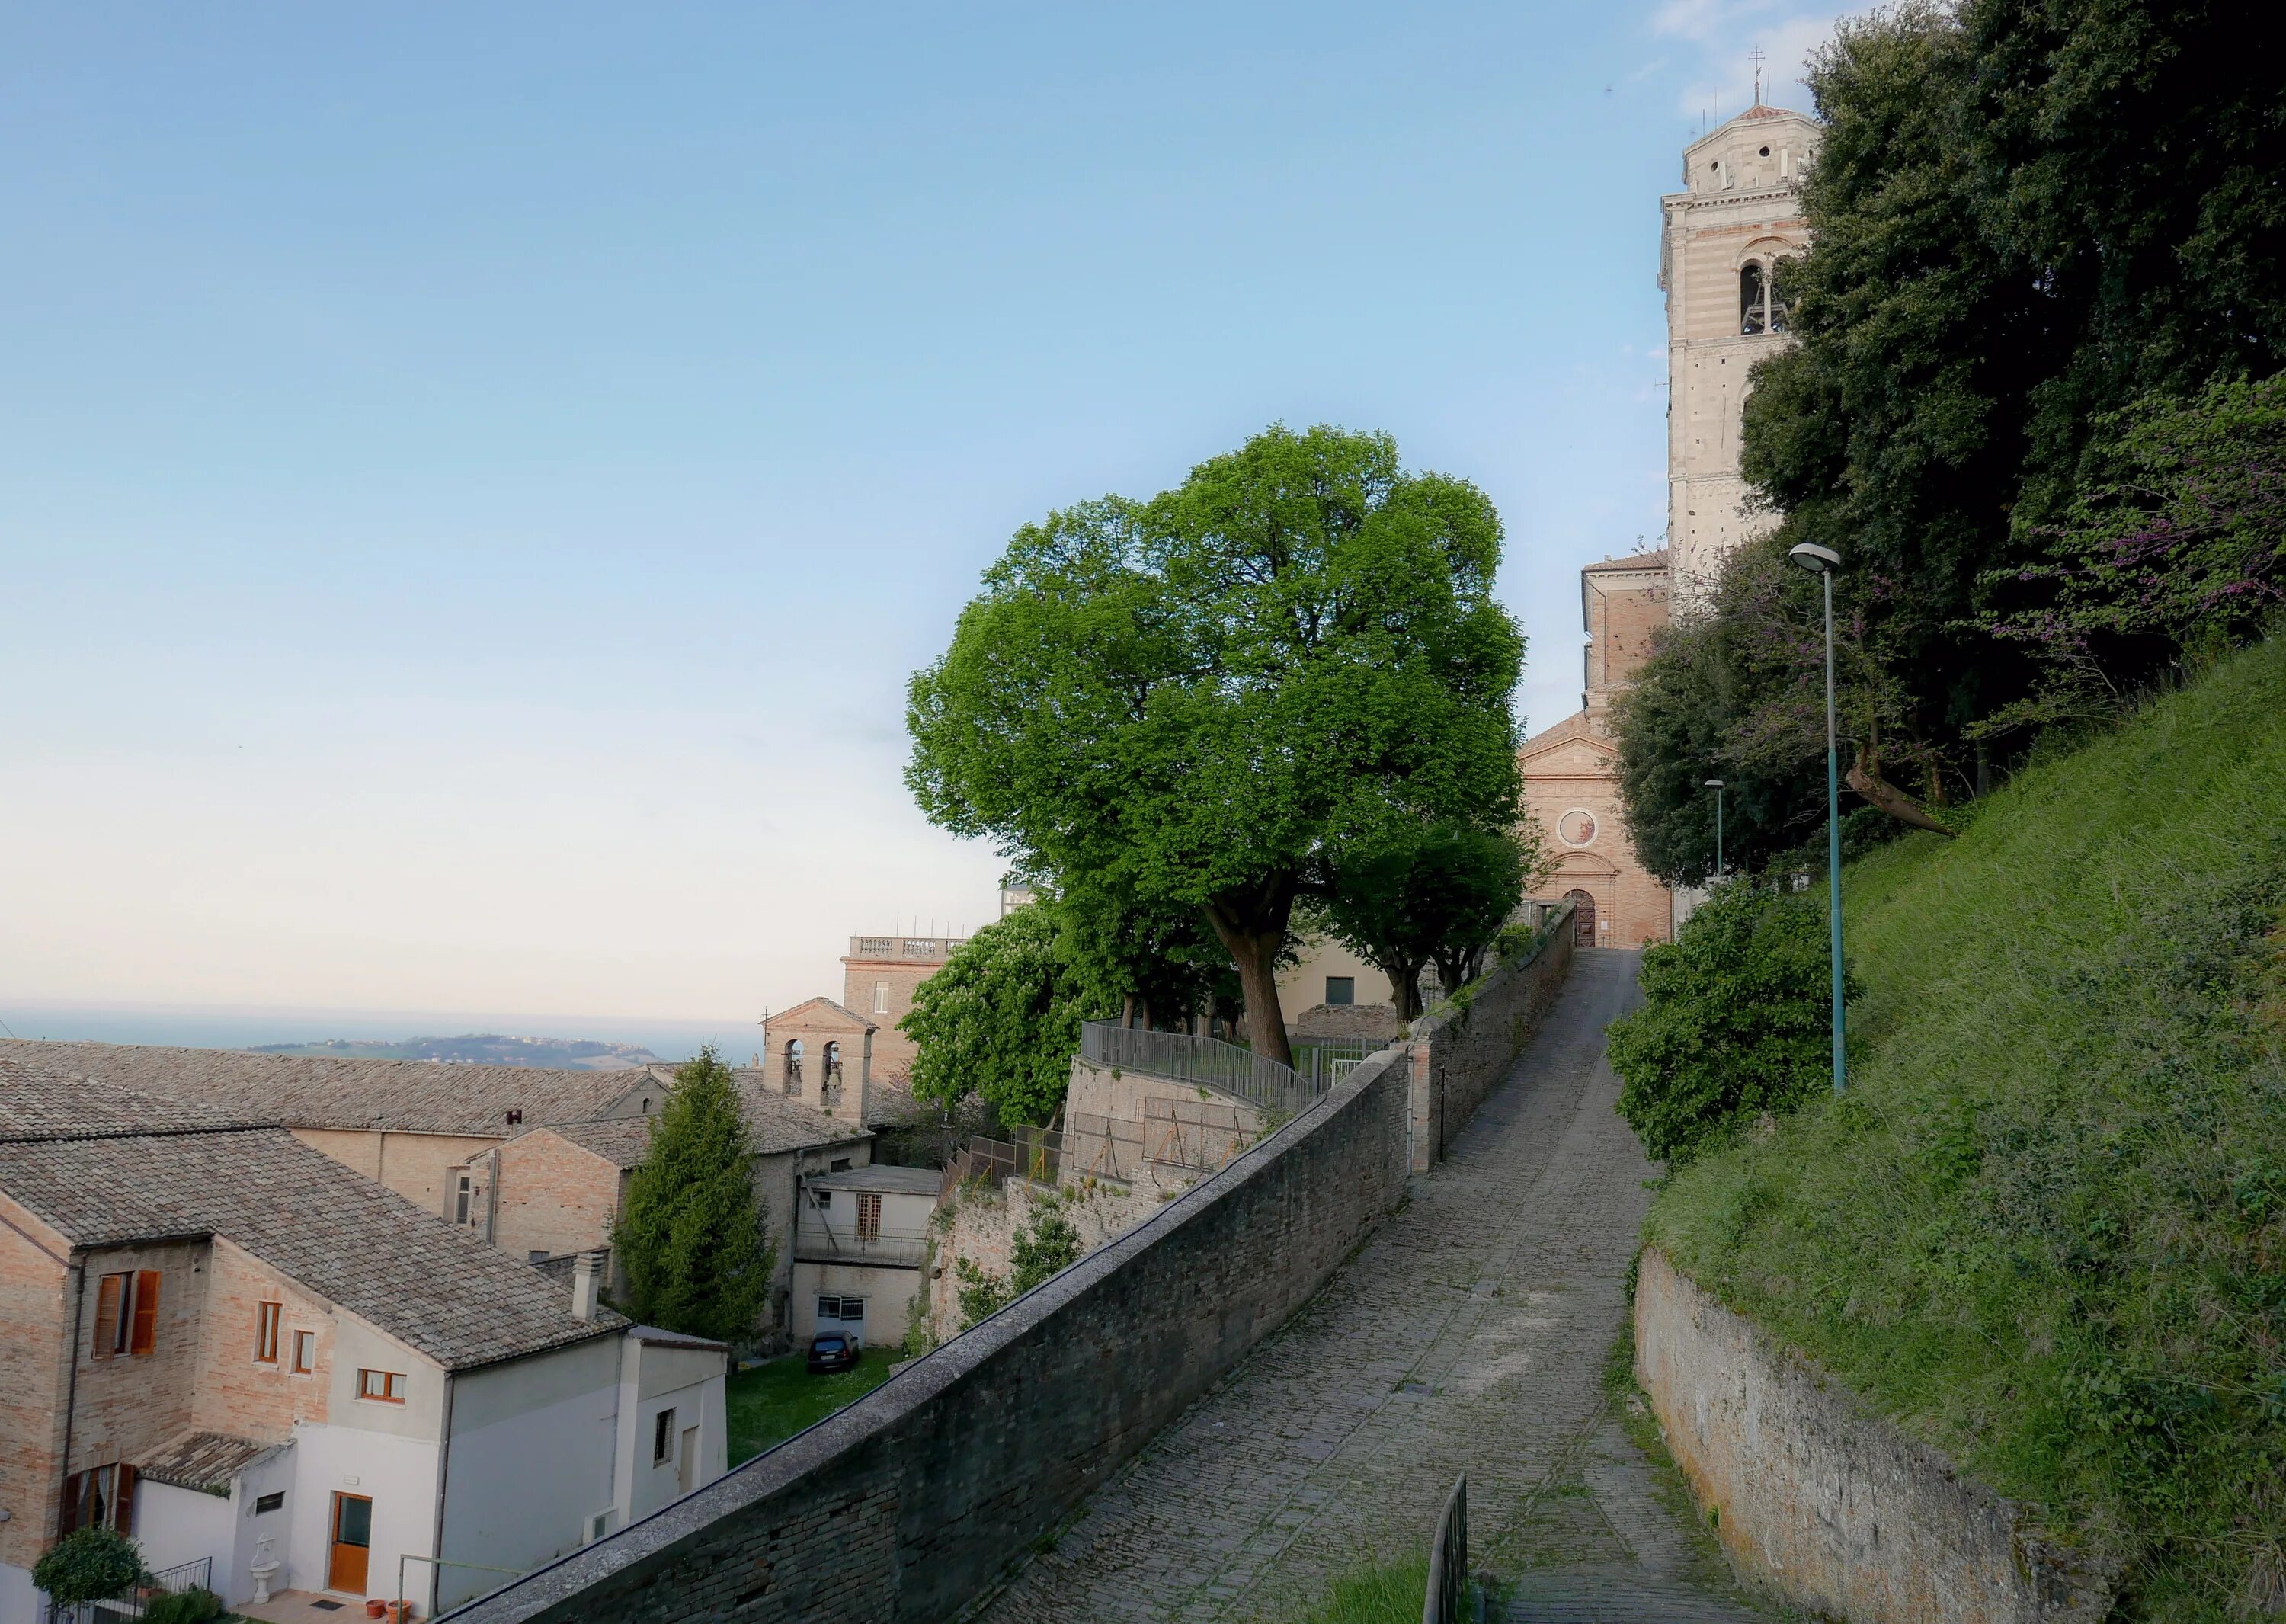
473,480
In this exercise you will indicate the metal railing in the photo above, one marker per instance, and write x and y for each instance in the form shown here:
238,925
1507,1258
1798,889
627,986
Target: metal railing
820,1243
130,1604
1321,1061
1447,1598
904,947
1277,1089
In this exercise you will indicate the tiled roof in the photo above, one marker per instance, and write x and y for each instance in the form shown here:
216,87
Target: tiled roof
1635,560
334,1091
623,1141
895,1180
775,1122
203,1460
436,1288
41,1100
814,1012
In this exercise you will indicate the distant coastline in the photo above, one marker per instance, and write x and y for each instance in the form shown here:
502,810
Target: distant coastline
479,1049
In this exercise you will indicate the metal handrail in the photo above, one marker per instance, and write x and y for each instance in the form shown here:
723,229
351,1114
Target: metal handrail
1447,1597
1259,1081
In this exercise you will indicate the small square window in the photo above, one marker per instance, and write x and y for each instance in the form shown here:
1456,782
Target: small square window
270,1503
1341,990
662,1436
382,1386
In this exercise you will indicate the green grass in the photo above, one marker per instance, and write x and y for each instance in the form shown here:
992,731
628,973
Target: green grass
2046,1229
771,1401
1391,1593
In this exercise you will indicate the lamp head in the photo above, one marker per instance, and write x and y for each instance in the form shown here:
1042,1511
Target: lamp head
1712,784
1810,555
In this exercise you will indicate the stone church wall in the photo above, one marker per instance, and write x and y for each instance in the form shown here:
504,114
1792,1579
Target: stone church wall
912,1502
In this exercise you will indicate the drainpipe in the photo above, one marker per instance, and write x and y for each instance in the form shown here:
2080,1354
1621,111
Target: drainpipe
443,1481
71,1384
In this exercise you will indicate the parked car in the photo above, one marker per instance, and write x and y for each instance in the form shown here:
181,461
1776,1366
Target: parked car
831,1351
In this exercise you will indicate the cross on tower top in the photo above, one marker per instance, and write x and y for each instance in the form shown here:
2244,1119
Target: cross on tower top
1755,57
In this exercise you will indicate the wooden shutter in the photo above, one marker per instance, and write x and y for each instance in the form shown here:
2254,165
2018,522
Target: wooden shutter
123,1499
106,1315
74,1492
146,1337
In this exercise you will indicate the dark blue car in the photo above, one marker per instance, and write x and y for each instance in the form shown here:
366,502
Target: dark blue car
832,1351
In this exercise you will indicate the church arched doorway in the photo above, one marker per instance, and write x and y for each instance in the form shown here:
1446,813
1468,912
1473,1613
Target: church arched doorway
1583,917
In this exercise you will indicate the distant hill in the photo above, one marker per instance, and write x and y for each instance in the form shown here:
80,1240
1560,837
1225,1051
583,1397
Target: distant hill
480,1049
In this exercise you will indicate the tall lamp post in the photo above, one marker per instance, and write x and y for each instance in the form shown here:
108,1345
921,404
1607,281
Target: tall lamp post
1716,785
1826,561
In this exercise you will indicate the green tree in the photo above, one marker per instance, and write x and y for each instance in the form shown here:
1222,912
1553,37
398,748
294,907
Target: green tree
694,1238
87,1564
1436,895
1001,1019
1735,1021
1044,1248
1191,700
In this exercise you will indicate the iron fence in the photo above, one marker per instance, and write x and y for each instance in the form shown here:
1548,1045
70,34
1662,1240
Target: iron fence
1321,1061
1277,1089
818,1243
1448,1599
130,1604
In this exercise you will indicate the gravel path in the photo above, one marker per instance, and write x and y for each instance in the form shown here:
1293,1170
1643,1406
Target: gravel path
1470,1333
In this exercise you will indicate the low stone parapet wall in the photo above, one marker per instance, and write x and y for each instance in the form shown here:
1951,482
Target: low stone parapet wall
1823,1503
914,1500
1460,1052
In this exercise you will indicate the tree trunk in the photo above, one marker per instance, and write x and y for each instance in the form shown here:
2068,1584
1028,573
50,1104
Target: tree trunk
1865,777
1253,937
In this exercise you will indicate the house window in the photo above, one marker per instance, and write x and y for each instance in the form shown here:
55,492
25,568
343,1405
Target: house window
869,1218
880,997
1340,990
127,1313
265,1332
102,1497
662,1438
305,1352
382,1386
825,1199
269,1502
462,1190
841,1310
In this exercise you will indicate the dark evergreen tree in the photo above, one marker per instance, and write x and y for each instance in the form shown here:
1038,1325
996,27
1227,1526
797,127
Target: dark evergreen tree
693,1239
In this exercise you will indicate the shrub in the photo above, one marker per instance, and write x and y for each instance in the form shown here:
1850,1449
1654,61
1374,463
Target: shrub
1736,1021
194,1606
1047,1246
87,1564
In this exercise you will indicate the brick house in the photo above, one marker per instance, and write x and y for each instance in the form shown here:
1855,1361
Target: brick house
879,975
238,1351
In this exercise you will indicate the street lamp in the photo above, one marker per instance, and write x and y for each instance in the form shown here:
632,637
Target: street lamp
1826,561
1716,785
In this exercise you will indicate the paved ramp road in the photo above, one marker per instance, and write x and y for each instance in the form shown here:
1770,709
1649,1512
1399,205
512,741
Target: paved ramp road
1470,1332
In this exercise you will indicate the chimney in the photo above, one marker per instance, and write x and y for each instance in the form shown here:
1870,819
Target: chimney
586,1272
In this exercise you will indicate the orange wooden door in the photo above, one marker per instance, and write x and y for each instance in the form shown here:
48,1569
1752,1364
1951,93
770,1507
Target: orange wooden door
352,1541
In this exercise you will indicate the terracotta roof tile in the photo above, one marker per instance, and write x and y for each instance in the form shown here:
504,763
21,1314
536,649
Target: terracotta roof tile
203,1460
49,1101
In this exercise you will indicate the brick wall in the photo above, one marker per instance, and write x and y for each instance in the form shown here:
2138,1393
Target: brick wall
1459,1055
417,1166
553,1196
127,1406
35,1299
909,1503
233,1392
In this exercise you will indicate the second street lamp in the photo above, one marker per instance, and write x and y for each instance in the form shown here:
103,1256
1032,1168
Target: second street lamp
1826,561
1716,785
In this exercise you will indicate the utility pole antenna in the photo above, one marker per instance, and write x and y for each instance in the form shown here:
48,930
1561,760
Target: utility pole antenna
1756,58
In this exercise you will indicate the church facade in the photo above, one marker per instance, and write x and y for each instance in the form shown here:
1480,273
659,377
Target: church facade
1721,241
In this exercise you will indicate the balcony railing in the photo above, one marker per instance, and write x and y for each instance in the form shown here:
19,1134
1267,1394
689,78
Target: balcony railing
132,1602
925,949
1276,1089
890,1249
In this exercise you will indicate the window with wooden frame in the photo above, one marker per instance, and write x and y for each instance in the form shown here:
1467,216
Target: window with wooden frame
126,1313
267,1316
382,1386
305,1352
869,1218
101,1497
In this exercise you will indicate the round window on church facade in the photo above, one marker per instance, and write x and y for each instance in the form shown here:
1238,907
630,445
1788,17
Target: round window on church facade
1575,827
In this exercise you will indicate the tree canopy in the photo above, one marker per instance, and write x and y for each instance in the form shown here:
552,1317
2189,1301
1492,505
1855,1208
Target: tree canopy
692,1239
1200,701
1002,1019
1434,894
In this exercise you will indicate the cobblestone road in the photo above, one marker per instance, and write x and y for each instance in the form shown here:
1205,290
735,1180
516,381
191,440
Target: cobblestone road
1470,1332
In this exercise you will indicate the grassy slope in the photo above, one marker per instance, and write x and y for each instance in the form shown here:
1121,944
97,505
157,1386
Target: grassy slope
770,1402
2047,1229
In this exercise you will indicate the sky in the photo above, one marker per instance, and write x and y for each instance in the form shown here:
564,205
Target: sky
475,481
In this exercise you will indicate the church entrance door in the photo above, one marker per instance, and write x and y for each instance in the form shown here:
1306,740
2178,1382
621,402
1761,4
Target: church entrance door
1583,919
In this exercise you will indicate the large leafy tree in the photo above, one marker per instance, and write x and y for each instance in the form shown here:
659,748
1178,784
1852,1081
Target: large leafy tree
693,1239
1001,1019
1191,701
1434,894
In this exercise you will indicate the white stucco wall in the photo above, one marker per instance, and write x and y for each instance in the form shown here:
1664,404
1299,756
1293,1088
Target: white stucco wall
688,1380
174,1525
531,1461
397,1474
259,1536
19,1603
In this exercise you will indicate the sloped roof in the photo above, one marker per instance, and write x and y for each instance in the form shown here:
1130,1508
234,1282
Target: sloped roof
821,1011
339,1092
1635,560
433,1286
775,1122
40,1101
203,1460
893,1180
1572,728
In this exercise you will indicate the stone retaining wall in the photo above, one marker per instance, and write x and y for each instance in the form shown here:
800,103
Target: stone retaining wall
1823,1503
1462,1053
912,1502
